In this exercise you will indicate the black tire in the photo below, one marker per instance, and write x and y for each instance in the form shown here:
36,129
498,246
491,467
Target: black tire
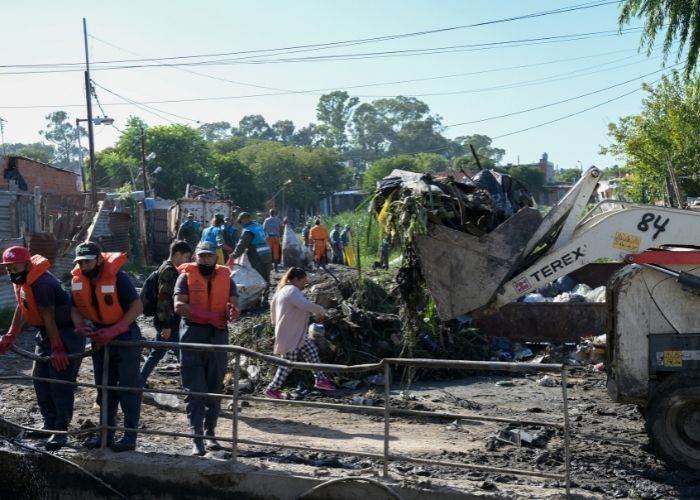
673,420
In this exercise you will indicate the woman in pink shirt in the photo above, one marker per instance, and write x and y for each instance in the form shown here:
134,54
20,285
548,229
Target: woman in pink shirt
290,312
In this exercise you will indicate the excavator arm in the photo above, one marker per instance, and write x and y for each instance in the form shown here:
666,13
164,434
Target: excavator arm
467,274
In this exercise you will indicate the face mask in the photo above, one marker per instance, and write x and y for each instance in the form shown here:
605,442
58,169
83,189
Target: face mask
205,270
19,278
92,273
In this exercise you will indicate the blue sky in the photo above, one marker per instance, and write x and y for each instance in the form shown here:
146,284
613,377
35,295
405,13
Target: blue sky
478,83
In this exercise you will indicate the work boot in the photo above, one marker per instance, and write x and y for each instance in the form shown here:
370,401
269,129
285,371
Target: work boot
198,447
96,442
124,444
211,443
56,442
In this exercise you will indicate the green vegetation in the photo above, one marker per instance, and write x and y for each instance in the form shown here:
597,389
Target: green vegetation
660,139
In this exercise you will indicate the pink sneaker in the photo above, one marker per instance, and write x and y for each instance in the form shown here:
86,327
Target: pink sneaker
272,394
325,385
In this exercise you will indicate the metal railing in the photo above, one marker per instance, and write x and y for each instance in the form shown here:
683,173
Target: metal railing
387,411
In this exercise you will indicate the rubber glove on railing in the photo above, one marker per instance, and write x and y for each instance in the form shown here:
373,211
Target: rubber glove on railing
8,340
83,330
104,336
59,358
204,317
232,312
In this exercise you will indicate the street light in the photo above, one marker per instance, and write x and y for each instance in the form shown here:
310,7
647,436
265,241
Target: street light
98,120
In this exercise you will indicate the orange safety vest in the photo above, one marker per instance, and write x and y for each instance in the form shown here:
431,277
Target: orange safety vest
108,310
25,295
214,298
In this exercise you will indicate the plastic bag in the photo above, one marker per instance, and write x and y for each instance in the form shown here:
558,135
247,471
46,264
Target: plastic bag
292,249
249,282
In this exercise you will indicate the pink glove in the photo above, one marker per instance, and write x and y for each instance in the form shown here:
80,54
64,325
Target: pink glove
231,261
104,336
8,340
232,312
204,317
59,358
83,330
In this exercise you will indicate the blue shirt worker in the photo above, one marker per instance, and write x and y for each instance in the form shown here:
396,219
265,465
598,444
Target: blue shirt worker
214,234
206,298
42,303
166,321
254,244
104,295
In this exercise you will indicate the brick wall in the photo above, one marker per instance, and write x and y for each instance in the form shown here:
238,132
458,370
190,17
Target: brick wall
48,178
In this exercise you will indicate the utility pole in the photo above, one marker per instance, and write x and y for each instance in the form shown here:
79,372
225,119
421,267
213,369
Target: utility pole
2,134
91,133
143,162
80,154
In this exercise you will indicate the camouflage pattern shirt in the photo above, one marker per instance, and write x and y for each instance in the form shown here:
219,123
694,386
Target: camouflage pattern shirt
165,309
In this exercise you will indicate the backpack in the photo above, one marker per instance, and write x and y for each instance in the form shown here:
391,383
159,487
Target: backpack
149,294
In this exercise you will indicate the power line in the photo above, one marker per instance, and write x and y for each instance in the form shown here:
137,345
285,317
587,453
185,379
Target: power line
548,105
346,57
319,46
549,122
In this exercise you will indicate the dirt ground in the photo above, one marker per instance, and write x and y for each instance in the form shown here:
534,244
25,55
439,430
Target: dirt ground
609,458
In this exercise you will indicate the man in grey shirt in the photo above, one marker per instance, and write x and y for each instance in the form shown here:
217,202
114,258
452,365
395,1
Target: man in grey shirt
273,231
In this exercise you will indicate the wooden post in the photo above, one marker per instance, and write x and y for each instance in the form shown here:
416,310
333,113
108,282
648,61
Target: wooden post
143,239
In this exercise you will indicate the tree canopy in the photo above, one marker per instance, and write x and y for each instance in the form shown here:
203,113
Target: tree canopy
663,137
680,19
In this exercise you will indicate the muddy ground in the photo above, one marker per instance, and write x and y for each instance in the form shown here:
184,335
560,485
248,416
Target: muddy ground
609,446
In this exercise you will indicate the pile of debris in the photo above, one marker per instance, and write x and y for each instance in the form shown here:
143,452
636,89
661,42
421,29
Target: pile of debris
565,289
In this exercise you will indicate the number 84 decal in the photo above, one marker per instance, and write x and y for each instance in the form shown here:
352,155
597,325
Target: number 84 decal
657,224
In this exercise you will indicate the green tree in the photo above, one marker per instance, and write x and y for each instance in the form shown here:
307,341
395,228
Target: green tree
283,130
532,177
371,134
255,127
679,18
308,136
215,131
38,151
61,132
489,156
180,151
235,180
662,137
334,111
314,173
568,175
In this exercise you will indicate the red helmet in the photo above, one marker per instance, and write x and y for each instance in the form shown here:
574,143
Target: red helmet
13,255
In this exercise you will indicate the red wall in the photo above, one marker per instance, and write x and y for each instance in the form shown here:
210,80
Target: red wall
48,178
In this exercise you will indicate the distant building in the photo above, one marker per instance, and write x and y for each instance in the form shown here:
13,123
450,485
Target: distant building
341,201
552,191
24,174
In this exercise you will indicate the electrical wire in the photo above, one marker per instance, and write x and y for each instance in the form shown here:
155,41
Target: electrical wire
97,66
568,99
317,46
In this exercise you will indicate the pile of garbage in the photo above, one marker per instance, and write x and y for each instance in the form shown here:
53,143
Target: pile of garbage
590,351
565,289
406,201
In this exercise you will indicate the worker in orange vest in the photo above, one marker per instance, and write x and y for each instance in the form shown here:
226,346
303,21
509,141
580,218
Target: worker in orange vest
318,235
104,295
206,298
42,303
